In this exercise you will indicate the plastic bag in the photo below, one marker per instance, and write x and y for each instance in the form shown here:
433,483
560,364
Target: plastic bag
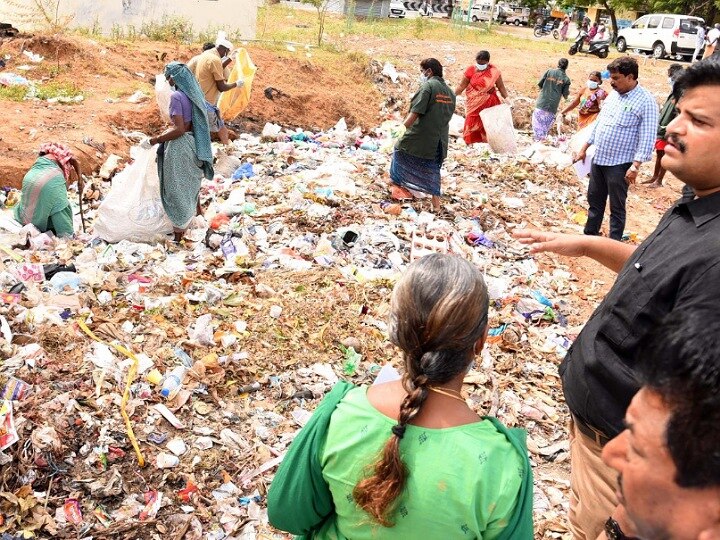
133,209
235,101
582,168
498,124
163,91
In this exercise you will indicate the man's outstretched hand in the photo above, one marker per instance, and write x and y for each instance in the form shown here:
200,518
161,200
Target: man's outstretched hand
569,245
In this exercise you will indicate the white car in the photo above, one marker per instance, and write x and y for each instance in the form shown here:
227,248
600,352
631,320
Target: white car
662,33
397,10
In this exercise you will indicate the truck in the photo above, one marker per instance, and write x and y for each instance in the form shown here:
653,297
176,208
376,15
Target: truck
517,15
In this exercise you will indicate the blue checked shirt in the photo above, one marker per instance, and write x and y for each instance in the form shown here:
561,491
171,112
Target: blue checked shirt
626,128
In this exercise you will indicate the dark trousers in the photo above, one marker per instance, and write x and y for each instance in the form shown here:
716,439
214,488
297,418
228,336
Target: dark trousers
607,180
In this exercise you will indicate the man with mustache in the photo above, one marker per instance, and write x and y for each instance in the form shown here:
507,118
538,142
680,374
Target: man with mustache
676,267
667,457
624,136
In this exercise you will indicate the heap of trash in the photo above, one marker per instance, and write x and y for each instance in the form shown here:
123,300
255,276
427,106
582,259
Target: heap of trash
149,389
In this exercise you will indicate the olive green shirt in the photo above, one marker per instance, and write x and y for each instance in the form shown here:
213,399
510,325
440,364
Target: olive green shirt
435,103
553,85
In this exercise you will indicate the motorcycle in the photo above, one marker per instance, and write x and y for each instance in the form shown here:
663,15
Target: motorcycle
549,26
601,49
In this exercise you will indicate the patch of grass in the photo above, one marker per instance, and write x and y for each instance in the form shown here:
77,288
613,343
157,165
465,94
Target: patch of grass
57,89
13,93
174,29
284,23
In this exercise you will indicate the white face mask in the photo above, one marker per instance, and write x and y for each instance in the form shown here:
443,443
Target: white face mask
671,82
592,85
423,78
481,67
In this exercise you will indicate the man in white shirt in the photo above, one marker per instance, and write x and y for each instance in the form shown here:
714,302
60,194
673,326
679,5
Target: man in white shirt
712,38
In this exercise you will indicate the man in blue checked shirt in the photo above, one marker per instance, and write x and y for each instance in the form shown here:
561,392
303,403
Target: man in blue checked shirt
624,136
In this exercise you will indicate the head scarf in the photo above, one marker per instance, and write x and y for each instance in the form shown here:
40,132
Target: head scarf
60,154
185,82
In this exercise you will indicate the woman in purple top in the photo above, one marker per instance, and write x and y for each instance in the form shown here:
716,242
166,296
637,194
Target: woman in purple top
184,154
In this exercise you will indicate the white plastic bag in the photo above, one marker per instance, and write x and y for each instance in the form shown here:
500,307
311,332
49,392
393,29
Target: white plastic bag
163,91
133,209
582,168
498,124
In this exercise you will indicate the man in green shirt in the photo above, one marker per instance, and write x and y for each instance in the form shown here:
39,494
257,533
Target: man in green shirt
553,85
419,154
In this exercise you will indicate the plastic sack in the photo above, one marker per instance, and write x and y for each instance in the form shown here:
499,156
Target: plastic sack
163,91
133,210
582,168
235,101
498,124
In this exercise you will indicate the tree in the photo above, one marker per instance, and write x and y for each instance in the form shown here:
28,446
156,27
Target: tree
322,8
533,4
41,13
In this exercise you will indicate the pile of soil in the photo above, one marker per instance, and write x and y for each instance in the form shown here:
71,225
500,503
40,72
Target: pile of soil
312,96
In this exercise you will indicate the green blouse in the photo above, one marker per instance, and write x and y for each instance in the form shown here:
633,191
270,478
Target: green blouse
465,482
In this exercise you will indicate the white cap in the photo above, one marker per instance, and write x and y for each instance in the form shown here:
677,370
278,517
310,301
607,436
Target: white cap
224,43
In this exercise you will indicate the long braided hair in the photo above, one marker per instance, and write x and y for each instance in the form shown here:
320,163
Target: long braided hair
439,310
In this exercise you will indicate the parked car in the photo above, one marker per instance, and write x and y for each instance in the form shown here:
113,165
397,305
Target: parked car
517,15
397,10
662,34
481,12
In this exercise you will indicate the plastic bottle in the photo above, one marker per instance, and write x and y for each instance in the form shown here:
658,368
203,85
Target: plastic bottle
173,382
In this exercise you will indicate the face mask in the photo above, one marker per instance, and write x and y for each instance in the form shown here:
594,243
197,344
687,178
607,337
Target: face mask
423,78
592,85
671,82
481,67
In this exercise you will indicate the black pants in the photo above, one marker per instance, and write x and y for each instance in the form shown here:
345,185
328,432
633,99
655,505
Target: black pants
607,180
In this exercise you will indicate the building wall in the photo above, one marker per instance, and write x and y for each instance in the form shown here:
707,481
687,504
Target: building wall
230,15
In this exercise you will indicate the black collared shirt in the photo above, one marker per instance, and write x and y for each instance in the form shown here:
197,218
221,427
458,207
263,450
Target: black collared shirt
677,266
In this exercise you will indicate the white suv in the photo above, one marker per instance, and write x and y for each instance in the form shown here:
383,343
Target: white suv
662,33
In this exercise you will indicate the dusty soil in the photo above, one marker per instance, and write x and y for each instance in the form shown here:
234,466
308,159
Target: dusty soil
314,96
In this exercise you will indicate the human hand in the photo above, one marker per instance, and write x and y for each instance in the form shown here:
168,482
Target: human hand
569,245
579,156
631,174
630,177
145,144
239,83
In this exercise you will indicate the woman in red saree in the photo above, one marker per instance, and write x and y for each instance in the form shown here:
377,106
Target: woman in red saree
483,81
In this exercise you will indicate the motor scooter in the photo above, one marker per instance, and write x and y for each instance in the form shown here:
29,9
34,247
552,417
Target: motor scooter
601,49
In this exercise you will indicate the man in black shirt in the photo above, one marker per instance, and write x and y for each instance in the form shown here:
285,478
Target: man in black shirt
677,266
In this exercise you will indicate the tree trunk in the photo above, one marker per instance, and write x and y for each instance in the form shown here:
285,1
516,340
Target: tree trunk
613,17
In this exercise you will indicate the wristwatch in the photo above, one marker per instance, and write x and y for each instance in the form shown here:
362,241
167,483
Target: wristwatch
614,532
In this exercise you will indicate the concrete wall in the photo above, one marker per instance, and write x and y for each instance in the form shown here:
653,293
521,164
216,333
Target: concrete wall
230,15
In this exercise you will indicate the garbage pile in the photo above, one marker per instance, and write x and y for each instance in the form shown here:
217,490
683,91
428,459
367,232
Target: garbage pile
150,389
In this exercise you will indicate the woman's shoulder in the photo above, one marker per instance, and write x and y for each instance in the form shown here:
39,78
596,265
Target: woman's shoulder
470,71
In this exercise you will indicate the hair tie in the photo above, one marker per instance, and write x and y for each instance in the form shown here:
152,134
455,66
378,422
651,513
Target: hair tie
398,430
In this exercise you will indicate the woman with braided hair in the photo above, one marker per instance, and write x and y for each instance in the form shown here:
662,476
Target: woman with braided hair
409,458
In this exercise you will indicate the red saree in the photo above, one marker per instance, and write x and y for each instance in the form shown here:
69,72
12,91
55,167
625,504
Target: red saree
481,94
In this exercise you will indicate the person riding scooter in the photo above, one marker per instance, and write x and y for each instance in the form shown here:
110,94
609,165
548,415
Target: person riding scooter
600,49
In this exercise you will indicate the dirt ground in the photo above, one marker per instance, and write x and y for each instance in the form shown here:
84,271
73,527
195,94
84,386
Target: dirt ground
314,96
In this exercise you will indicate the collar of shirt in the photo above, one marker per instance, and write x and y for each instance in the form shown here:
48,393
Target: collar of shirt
631,93
703,209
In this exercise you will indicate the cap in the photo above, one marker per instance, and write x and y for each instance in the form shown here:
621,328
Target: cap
224,43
